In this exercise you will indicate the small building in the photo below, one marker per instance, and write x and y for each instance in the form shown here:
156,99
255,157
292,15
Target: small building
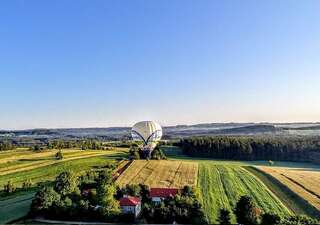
159,194
130,205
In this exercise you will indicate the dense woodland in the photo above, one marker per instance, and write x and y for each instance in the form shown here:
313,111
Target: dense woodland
300,149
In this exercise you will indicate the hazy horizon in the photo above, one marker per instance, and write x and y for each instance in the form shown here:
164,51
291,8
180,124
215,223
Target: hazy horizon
165,125
112,63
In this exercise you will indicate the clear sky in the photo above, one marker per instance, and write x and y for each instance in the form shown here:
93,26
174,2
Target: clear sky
66,63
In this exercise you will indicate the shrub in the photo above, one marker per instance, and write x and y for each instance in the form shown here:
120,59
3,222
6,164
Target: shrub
27,184
224,217
9,187
246,211
59,155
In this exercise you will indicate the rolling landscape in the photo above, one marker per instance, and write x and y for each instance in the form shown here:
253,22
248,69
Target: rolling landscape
284,188
160,112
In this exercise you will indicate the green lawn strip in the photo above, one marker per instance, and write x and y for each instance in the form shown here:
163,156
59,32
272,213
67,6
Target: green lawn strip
292,201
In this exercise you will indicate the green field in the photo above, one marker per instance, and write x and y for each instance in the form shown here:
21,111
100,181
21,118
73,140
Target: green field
221,186
40,167
46,169
15,207
211,168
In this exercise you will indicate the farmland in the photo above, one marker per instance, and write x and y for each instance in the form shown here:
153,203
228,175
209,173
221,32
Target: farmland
305,183
42,166
22,164
222,185
160,173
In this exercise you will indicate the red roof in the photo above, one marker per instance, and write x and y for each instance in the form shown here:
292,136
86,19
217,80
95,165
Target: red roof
163,192
129,201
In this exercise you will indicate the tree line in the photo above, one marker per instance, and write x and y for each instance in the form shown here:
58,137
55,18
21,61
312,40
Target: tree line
6,145
297,149
93,196
247,212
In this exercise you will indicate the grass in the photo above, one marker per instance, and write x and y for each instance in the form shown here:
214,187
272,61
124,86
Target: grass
47,169
222,182
221,186
293,201
160,173
15,208
17,205
306,183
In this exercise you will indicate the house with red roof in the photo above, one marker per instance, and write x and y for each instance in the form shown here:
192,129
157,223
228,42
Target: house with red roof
130,205
159,194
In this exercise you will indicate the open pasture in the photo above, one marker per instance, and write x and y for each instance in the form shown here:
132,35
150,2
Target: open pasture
305,183
160,173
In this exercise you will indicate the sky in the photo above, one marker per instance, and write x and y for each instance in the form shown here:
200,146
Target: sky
92,63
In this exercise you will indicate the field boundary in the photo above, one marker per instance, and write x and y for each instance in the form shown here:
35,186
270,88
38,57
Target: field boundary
287,196
302,186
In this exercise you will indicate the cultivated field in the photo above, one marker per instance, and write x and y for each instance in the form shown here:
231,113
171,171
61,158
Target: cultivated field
15,208
164,173
22,165
305,183
221,186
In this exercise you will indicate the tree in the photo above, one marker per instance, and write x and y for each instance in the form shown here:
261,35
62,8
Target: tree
44,199
270,219
26,184
9,187
246,211
132,190
109,205
59,155
105,177
299,220
271,163
224,217
66,183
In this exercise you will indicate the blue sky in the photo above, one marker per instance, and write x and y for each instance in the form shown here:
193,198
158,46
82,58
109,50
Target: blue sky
103,63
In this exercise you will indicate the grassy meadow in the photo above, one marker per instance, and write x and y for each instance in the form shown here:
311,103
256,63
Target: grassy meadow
160,173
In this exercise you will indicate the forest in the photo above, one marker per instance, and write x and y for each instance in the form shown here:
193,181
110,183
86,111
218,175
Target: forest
299,149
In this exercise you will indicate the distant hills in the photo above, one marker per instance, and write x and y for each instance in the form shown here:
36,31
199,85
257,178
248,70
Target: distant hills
172,131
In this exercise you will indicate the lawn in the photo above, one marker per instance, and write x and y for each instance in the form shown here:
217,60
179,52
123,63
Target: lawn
160,173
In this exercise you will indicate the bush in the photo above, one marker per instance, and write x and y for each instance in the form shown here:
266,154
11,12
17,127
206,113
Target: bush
26,184
9,187
246,211
224,217
270,219
158,154
59,155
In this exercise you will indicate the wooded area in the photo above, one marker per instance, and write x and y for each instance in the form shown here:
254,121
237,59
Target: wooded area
300,149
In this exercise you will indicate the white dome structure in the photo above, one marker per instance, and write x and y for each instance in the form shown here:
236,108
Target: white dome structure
147,131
